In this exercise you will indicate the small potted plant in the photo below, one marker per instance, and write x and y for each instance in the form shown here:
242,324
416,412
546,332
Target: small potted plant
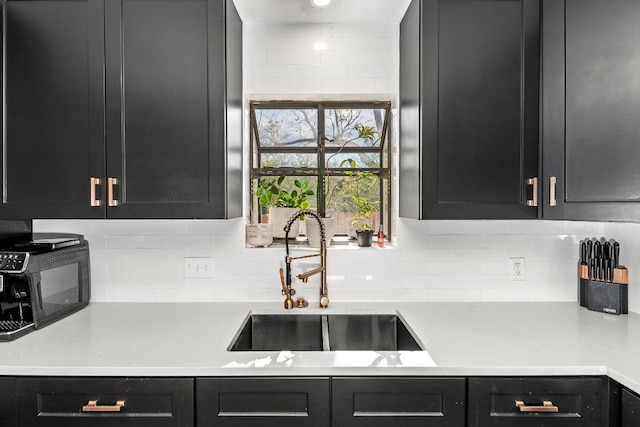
283,203
361,219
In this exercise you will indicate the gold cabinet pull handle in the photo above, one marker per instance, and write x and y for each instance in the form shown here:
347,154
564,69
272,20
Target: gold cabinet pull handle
534,183
552,191
111,183
547,406
92,406
94,199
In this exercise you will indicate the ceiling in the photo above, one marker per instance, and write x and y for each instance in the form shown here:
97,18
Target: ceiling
340,11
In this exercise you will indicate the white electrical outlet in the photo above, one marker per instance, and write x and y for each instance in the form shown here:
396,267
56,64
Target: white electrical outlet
516,269
198,267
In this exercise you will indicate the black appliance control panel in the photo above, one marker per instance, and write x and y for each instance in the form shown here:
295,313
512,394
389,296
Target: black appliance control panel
13,262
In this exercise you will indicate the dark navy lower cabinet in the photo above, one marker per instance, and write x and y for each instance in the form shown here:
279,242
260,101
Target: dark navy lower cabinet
105,402
263,402
7,402
398,401
538,402
630,414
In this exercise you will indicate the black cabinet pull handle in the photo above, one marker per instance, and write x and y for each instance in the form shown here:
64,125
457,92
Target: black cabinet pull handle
547,406
92,406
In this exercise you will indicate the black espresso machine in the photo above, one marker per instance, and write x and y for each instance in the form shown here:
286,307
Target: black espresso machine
43,278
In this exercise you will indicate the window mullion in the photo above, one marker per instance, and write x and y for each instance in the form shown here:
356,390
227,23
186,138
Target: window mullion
320,197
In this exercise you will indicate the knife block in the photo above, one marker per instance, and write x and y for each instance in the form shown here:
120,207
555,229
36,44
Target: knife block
606,297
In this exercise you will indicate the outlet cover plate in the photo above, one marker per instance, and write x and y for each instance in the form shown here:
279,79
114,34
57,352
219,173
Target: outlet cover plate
516,269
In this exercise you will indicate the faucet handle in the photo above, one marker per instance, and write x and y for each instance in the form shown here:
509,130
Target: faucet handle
324,301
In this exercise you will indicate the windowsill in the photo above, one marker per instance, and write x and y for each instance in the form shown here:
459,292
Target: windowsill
337,243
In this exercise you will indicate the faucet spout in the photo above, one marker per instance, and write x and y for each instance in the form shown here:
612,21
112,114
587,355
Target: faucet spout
305,276
322,270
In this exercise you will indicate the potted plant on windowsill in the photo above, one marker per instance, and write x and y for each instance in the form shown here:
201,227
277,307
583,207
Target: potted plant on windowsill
283,203
342,138
361,220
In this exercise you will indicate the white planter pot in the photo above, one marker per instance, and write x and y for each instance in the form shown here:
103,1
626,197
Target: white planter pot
278,218
259,234
313,231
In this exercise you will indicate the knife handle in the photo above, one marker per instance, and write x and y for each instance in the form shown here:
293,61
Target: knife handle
607,250
616,253
600,268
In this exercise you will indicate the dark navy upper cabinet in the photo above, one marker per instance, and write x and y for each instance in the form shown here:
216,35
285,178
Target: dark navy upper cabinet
591,105
53,107
469,83
169,145
123,109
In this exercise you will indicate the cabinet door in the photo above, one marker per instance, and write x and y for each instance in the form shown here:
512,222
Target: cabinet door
476,116
630,409
166,107
579,402
65,402
263,402
7,402
53,107
591,107
402,402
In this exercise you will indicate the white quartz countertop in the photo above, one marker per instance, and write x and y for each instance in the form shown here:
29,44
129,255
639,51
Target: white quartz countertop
461,339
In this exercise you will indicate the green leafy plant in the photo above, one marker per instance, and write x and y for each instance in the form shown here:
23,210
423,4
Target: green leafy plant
367,133
271,193
363,204
360,220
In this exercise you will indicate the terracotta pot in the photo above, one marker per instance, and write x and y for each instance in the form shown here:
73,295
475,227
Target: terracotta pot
313,231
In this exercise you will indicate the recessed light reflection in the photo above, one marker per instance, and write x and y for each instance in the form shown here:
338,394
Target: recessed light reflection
320,45
320,3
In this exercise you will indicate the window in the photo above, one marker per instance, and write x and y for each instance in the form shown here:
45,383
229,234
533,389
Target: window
338,150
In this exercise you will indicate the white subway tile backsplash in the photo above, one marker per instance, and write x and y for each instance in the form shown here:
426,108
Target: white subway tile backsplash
141,260
508,241
321,71
274,71
355,85
130,241
191,241
294,58
289,86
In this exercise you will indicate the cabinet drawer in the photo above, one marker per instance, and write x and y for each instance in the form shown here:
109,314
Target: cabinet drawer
154,402
630,409
579,402
263,402
405,402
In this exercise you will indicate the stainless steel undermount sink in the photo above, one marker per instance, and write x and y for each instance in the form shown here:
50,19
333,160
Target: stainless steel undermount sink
324,332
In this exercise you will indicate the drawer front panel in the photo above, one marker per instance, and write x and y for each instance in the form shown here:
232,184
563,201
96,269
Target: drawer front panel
264,402
396,401
116,402
579,402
